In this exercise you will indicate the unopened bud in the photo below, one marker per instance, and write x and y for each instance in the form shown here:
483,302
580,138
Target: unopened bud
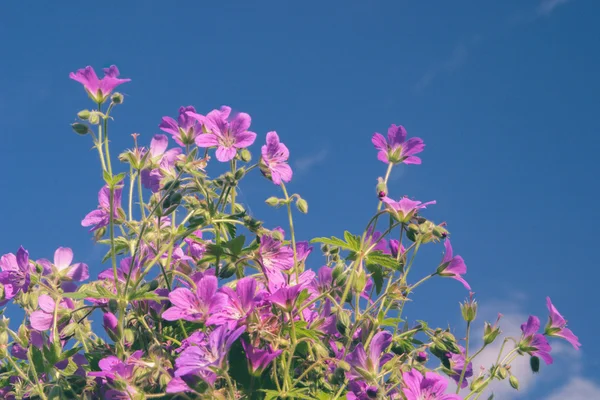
302,205
272,201
245,155
227,271
113,305
440,232
83,114
80,129
490,333
534,363
277,235
469,309
514,382
239,174
129,337
110,322
381,188
478,384
502,373
343,322
117,98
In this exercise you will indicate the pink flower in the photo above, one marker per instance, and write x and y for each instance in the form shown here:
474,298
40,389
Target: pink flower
396,149
557,326
98,89
192,306
63,257
273,163
453,266
226,136
405,208
429,387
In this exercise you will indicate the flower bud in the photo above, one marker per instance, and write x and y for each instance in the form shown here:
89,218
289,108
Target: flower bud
478,384
490,333
245,155
381,188
153,285
342,323
534,363
239,174
113,305
3,338
80,129
360,281
302,205
440,232
502,373
117,98
272,201
110,322
83,114
227,271
514,382
94,117
277,235
129,337
421,357
469,309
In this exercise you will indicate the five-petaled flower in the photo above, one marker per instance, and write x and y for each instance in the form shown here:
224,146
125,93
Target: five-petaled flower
227,136
100,218
429,387
405,208
98,89
192,306
63,257
453,266
535,343
273,163
185,129
396,149
16,273
557,326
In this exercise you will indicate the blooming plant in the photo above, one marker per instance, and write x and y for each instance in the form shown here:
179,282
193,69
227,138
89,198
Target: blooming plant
202,301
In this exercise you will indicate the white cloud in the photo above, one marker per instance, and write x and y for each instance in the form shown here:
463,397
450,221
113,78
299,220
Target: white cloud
547,6
454,61
577,389
303,164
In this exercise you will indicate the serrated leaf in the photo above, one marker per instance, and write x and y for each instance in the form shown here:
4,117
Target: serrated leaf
376,275
80,295
36,356
105,293
146,296
333,241
352,240
385,260
235,245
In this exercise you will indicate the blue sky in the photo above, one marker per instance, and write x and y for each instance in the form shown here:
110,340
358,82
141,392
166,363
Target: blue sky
505,95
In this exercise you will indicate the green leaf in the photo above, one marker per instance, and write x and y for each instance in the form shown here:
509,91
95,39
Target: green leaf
333,241
376,275
102,291
80,295
385,260
69,353
352,240
235,245
146,296
38,359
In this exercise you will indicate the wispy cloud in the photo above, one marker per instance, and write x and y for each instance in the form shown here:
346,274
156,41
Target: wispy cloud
577,389
304,164
457,58
571,368
546,7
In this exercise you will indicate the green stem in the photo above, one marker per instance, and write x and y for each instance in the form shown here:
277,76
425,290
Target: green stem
233,167
141,194
385,180
466,363
292,233
131,184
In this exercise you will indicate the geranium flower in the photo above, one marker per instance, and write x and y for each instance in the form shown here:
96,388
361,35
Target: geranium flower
557,326
367,365
405,208
232,307
453,266
226,136
429,387
259,359
396,149
63,257
16,273
273,163
101,217
162,163
192,306
185,130
533,343
98,89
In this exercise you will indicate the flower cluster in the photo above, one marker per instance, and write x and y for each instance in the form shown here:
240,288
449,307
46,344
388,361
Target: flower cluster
202,300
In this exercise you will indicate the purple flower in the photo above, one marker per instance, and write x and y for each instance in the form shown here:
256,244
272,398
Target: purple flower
232,307
273,163
259,359
15,275
405,208
557,326
303,250
162,163
453,267
374,238
394,244
360,390
195,247
101,217
534,343
43,318
125,268
112,368
197,360
192,306
324,281
367,365
396,149
98,89
457,363
429,387
110,322
285,297
278,280
185,129
227,136
63,257
273,256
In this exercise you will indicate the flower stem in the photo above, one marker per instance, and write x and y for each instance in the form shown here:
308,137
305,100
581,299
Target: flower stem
466,362
292,233
385,180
